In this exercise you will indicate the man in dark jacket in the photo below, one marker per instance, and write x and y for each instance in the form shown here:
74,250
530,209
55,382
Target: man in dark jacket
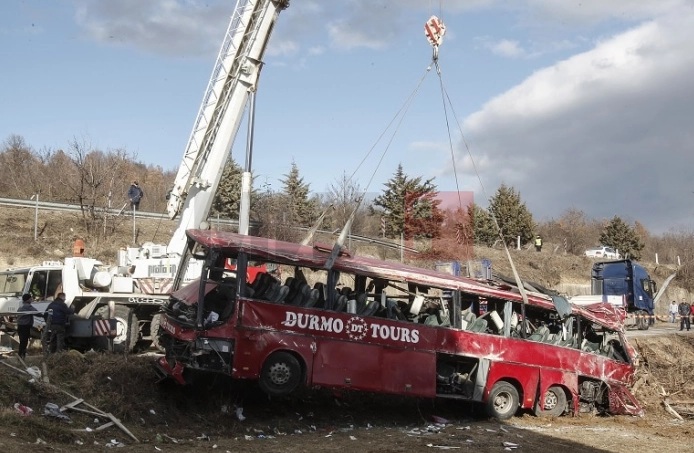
684,310
58,316
135,194
24,324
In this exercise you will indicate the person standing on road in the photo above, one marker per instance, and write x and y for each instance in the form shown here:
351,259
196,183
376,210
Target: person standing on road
673,311
135,194
24,324
59,315
684,310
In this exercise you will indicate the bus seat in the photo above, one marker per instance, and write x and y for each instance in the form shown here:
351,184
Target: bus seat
282,292
589,346
393,310
341,303
298,294
416,305
540,334
469,316
371,308
312,299
361,302
478,325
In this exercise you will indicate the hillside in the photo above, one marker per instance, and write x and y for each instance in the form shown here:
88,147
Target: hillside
222,415
568,274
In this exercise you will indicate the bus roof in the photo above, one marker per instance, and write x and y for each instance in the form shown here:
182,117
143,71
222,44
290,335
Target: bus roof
316,257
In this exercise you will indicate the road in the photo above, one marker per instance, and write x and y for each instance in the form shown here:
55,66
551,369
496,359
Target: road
660,328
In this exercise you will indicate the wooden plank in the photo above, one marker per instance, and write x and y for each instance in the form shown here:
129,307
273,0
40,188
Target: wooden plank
72,405
120,425
84,411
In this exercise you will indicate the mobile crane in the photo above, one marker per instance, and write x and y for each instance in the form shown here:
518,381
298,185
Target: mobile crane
141,281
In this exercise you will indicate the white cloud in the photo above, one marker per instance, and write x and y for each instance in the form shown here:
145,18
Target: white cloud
506,48
606,131
158,26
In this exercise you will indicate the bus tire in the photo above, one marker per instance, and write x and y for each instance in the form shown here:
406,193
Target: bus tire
281,374
503,401
554,401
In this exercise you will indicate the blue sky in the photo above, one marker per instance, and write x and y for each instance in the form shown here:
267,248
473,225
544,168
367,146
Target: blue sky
576,104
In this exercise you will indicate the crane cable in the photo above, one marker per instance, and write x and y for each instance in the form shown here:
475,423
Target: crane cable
445,97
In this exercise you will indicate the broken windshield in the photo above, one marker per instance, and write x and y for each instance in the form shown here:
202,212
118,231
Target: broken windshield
12,283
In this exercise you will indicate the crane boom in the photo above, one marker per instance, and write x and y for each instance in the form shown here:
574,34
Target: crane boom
234,76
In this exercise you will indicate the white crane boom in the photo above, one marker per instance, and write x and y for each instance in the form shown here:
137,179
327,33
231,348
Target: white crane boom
234,76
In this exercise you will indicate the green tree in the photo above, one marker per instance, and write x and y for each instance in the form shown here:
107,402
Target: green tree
512,215
228,197
411,206
620,235
301,208
484,230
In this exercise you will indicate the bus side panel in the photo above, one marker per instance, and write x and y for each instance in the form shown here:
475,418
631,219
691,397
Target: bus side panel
524,377
254,346
409,372
374,368
567,380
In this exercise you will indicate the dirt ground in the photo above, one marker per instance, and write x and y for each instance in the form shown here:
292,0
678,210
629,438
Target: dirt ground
222,415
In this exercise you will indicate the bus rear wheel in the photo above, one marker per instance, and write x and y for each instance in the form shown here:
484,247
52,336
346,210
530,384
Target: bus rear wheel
503,400
554,401
281,374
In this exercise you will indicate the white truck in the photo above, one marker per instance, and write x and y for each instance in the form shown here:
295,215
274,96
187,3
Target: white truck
142,279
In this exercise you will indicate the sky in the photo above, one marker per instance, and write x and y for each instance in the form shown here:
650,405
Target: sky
576,104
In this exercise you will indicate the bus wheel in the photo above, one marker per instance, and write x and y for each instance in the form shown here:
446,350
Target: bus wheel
554,402
281,374
502,403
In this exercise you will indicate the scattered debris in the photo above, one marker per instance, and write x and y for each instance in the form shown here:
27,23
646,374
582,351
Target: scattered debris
53,410
238,410
442,447
22,409
439,420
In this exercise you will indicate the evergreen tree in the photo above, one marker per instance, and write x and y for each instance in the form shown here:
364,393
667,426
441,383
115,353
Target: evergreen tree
301,208
411,206
621,236
227,200
484,230
512,215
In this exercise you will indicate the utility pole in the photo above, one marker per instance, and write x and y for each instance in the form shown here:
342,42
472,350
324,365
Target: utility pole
36,216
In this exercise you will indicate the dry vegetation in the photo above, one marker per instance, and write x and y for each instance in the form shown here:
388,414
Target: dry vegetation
173,418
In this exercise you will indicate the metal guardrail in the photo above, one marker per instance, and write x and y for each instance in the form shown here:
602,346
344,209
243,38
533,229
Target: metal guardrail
66,207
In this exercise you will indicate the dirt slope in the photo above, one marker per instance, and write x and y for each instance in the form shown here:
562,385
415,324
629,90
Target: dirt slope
177,419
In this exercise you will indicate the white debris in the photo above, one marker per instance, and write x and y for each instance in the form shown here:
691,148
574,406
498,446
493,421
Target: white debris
34,372
442,447
352,438
151,411
510,446
114,443
238,410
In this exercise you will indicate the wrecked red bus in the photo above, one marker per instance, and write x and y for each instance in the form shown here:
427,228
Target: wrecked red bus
378,326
